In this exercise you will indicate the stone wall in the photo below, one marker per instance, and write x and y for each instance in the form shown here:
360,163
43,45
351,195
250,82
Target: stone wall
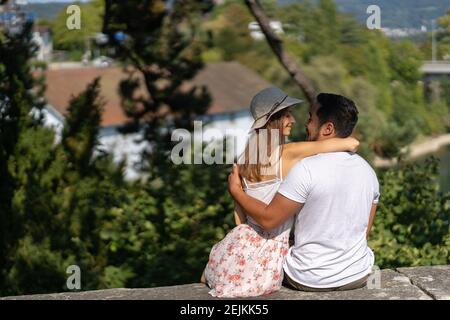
423,283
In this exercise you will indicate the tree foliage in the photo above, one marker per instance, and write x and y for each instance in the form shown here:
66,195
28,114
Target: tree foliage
342,56
412,223
189,207
76,41
53,195
161,50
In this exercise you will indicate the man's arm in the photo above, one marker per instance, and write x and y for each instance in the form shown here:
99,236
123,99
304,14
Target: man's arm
267,216
296,151
371,218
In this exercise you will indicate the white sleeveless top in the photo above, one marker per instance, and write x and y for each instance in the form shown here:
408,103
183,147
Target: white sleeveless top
265,191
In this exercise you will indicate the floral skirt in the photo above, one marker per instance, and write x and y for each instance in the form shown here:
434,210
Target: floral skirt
247,263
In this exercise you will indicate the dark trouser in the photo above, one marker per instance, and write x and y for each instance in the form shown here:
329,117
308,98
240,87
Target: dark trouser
357,284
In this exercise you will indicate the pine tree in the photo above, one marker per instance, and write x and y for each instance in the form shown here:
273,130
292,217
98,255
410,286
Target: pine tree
159,41
81,128
53,198
17,99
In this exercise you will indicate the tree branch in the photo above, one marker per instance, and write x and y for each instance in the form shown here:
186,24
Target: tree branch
276,44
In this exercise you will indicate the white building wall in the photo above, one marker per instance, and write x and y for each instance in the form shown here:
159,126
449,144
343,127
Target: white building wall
44,44
52,119
235,124
123,146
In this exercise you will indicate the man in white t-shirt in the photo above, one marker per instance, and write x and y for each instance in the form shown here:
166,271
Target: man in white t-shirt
335,195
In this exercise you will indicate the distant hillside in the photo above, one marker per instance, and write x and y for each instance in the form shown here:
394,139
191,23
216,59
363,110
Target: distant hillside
394,13
398,13
46,10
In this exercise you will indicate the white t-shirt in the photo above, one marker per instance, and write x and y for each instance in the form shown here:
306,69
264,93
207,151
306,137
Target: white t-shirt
338,190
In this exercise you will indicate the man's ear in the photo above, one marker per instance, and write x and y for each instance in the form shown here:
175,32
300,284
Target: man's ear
328,129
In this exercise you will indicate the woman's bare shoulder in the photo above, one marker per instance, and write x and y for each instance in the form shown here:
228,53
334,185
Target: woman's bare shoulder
291,155
292,149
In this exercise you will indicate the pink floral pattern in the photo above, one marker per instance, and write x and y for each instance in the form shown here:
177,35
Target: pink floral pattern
246,263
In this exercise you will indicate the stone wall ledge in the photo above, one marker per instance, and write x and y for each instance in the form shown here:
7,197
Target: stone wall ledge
416,283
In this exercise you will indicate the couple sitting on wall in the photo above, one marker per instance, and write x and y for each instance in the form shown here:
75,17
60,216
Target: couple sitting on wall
320,191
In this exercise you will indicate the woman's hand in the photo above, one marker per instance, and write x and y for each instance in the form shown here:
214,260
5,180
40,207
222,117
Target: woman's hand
352,144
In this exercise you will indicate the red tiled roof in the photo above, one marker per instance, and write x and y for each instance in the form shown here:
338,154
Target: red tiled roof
230,84
63,84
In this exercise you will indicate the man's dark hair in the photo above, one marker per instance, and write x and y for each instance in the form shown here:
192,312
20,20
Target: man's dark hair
339,110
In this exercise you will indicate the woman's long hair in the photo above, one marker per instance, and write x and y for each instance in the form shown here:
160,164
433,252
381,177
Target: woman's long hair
255,162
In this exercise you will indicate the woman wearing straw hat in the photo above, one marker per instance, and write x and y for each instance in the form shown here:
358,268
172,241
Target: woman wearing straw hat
248,261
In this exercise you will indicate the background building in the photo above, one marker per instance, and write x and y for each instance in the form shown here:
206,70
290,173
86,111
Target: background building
230,84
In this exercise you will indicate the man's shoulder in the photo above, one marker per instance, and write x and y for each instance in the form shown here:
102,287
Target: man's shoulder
364,163
331,159
326,157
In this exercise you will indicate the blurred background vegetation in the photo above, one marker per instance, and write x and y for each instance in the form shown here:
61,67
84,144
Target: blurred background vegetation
61,205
